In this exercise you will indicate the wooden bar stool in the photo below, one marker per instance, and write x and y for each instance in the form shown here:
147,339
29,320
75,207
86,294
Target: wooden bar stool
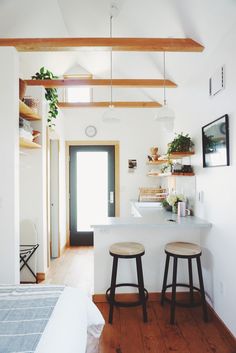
189,251
127,250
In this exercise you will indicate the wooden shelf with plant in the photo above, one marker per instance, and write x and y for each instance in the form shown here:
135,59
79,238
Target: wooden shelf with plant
180,155
181,146
51,94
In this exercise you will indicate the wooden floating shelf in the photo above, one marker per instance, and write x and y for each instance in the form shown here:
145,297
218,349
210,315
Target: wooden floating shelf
27,113
28,144
170,174
107,104
183,174
124,83
179,155
161,175
117,44
174,155
158,162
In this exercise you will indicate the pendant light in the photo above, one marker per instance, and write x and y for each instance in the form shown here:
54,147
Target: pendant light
110,115
165,115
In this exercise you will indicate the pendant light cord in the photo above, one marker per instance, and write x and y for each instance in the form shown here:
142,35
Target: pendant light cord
164,60
111,63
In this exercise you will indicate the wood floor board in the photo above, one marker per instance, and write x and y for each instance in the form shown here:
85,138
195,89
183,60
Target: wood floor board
194,338
171,334
128,333
215,340
190,334
74,268
152,337
110,341
131,333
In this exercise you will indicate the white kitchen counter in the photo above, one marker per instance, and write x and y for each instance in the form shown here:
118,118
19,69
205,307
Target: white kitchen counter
153,217
153,228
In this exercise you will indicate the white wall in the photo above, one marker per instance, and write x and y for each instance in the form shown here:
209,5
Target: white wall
136,132
9,162
33,188
33,203
194,108
58,134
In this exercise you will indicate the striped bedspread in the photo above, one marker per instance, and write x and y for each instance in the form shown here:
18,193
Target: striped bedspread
24,313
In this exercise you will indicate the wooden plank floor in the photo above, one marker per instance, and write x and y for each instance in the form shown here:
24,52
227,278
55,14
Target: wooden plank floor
129,334
74,268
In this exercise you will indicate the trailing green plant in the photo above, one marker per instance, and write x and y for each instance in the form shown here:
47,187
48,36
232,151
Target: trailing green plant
182,143
51,94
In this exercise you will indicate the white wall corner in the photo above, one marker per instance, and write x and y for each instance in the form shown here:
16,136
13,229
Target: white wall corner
9,161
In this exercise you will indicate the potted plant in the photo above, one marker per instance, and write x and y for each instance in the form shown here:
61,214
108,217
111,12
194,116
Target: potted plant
181,143
51,94
173,200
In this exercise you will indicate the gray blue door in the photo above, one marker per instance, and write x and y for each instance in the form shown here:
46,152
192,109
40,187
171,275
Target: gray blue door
92,190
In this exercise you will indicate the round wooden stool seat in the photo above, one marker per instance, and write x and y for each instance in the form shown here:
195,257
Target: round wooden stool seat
126,249
183,249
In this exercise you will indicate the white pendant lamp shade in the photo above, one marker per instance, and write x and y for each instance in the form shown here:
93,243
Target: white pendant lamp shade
165,115
111,114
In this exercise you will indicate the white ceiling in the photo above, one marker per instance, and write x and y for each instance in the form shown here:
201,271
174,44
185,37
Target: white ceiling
206,21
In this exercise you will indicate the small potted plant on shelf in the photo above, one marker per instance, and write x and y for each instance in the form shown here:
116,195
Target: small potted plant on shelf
51,94
181,143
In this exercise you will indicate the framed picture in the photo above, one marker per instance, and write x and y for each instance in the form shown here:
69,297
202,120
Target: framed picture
215,142
132,163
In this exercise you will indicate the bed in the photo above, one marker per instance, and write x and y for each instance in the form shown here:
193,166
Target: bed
48,319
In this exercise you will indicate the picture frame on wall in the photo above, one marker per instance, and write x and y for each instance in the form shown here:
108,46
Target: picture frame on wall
215,143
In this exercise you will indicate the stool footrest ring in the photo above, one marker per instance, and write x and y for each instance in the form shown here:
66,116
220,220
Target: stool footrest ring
126,304
183,304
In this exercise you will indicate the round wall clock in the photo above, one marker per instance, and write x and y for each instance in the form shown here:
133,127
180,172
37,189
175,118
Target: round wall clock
90,131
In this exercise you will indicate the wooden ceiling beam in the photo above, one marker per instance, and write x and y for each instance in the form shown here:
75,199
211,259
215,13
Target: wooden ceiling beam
107,104
117,44
129,83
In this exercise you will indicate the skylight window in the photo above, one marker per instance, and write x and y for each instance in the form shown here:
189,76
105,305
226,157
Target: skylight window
78,94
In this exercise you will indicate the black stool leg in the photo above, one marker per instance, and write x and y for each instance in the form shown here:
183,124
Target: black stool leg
113,288
165,279
203,298
173,298
141,287
190,272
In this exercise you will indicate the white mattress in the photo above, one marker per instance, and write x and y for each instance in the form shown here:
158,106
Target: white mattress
74,327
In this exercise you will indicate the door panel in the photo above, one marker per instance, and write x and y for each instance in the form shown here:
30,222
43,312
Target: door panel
92,190
54,199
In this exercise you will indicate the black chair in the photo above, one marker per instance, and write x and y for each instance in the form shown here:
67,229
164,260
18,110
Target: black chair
127,250
26,252
189,251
